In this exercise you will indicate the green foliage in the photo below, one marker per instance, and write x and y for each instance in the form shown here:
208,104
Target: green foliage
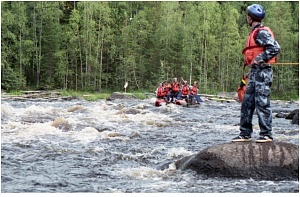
15,92
89,96
140,95
11,80
92,46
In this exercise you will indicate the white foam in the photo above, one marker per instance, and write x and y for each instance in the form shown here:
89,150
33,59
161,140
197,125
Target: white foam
6,110
178,152
33,110
143,173
16,131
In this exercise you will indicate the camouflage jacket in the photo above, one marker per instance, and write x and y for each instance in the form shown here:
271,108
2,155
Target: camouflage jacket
264,38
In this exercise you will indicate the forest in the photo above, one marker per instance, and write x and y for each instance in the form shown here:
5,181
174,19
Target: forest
99,45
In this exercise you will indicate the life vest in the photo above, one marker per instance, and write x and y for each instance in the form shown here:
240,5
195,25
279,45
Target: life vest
185,90
168,88
252,49
195,90
161,92
175,87
241,91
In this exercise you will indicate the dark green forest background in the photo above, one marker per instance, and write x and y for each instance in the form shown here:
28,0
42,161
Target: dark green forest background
97,46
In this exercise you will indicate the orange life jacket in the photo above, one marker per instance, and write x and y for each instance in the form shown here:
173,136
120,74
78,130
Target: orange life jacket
185,90
252,49
195,90
167,89
175,87
161,92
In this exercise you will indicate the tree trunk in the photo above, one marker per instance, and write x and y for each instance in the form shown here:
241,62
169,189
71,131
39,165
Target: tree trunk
101,64
81,63
40,50
35,42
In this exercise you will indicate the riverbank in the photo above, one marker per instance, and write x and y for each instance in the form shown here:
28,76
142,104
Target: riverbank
54,95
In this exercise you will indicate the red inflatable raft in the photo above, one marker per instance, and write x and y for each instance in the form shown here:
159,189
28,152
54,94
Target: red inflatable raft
160,102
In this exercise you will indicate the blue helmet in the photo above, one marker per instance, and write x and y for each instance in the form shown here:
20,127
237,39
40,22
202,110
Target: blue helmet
256,12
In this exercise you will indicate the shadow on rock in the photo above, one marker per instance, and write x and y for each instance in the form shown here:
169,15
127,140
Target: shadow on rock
268,161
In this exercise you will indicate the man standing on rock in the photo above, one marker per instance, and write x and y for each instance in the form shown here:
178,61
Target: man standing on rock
260,52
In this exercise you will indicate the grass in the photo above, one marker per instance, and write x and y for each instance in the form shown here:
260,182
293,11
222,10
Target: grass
139,95
285,95
92,96
15,92
86,95
89,96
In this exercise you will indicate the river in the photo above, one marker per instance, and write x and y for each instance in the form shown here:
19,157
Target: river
126,146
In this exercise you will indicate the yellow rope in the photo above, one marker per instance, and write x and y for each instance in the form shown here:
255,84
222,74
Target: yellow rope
285,63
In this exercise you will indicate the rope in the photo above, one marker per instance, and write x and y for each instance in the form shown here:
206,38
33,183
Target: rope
285,63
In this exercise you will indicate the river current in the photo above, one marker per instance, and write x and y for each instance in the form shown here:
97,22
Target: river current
126,146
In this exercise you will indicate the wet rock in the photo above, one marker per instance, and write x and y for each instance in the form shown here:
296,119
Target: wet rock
227,94
5,179
118,95
143,106
165,165
267,161
281,115
292,114
100,129
69,98
135,135
62,123
132,111
296,118
291,132
118,106
37,118
76,108
129,111
115,134
285,110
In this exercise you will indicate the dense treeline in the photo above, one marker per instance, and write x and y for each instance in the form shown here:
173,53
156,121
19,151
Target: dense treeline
100,45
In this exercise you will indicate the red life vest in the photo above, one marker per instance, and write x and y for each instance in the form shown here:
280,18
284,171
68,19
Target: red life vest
252,49
175,87
195,90
161,92
185,90
167,89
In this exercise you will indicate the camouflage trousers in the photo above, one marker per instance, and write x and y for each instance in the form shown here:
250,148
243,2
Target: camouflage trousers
257,96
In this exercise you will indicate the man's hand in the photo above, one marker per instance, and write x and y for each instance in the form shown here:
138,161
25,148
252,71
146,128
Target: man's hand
257,60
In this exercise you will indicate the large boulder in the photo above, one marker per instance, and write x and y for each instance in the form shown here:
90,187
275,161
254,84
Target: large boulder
291,115
268,161
294,116
118,95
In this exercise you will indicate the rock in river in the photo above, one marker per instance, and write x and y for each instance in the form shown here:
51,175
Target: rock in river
268,161
118,95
